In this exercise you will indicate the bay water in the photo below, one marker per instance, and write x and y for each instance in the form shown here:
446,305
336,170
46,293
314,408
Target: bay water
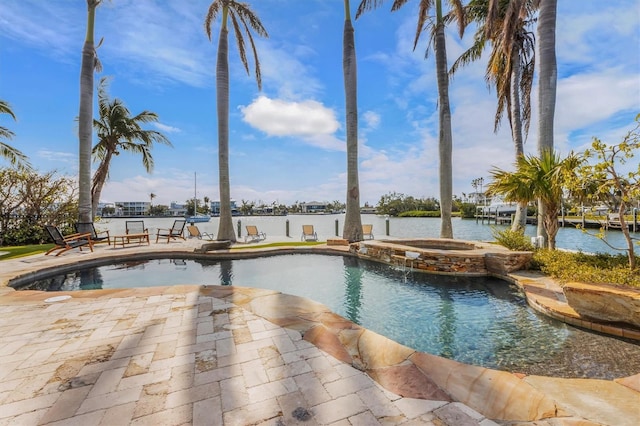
330,226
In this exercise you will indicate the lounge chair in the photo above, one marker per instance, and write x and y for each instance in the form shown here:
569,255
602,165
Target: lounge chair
308,233
175,232
64,243
254,234
135,227
96,237
367,231
194,232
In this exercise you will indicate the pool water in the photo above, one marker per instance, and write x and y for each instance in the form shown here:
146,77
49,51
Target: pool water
481,321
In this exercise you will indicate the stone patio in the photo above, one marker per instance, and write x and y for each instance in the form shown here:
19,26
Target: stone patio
239,356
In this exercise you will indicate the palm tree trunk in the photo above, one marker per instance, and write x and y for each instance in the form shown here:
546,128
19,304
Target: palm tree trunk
99,178
225,227
547,83
85,119
352,222
445,136
520,219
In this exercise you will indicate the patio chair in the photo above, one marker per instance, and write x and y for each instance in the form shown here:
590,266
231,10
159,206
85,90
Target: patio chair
194,232
308,233
68,242
175,232
135,227
96,237
254,234
367,231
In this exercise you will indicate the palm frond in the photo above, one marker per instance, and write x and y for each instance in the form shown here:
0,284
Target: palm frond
212,14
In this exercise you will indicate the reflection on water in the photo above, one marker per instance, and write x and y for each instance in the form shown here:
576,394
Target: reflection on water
446,323
226,272
353,288
481,321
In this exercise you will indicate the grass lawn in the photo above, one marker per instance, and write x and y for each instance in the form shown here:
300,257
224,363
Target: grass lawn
21,251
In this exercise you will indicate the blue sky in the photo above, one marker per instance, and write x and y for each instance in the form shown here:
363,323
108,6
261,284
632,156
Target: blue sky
287,143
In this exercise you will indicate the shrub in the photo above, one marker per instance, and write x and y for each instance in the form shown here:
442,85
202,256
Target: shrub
468,210
420,213
513,240
589,268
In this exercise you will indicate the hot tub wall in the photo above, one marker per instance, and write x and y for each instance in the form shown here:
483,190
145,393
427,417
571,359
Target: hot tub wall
445,256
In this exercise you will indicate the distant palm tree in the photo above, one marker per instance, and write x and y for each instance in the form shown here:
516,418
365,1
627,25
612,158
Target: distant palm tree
445,144
242,18
510,67
151,197
85,118
352,230
544,178
547,82
14,155
118,131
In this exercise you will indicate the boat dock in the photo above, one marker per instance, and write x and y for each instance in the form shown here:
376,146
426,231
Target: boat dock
607,222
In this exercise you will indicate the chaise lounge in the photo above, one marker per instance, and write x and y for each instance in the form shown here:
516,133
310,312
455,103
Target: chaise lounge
175,232
96,237
65,243
308,233
254,234
194,232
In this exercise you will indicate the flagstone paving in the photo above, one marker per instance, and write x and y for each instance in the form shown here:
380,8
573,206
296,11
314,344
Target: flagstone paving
174,356
210,355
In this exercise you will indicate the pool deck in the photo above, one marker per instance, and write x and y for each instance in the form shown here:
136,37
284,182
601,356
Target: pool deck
192,354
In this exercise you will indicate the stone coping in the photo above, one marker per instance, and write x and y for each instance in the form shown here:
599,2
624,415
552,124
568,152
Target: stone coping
496,394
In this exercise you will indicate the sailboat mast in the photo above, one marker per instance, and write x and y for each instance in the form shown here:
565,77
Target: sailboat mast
195,194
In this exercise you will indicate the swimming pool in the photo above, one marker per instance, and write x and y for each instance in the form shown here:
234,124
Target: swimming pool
481,321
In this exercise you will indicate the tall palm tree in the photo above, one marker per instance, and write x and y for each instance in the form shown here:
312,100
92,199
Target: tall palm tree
547,82
14,155
85,118
510,67
445,138
242,20
118,131
352,230
544,178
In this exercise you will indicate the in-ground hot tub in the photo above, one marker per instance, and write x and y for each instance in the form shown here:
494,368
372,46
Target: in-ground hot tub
444,256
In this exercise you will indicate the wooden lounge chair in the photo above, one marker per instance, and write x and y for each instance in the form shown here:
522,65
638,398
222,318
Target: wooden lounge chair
135,227
254,234
308,233
96,237
68,242
367,231
194,232
175,232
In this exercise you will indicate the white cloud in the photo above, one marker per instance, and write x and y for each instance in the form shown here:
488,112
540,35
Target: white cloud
284,71
277,117
49,27
56,156
590,97
160,40
166,128
371,119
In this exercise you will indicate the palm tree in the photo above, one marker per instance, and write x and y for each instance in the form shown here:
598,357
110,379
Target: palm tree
547,81
352,230
89,64
544,178
445,144
242,18
118,131
510,67
14,155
